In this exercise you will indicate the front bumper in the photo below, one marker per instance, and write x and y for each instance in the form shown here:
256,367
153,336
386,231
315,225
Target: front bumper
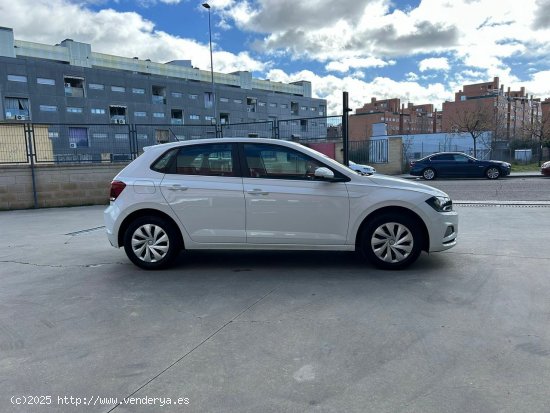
444,232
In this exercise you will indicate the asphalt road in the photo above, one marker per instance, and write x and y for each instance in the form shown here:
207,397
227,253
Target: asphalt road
504,189
465,330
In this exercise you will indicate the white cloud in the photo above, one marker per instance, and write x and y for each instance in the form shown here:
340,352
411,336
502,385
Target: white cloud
109,31
480,34
331,87
434,63
345,65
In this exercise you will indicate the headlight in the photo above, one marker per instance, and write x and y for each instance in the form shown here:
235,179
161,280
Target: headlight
440,203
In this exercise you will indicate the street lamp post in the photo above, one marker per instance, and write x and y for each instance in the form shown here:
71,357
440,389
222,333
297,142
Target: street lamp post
207,6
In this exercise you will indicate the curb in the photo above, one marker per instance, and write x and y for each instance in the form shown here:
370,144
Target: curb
527,175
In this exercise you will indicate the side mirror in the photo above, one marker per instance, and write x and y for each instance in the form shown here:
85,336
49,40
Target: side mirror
324,173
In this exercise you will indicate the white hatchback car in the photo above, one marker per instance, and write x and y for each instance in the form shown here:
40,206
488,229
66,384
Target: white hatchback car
249,193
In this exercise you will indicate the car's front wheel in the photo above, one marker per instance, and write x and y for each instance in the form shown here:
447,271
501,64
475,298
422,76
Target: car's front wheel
428,174
492,172
151,243
392,241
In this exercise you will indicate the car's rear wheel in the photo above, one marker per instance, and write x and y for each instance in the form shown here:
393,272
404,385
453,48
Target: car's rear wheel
492,172
392,242
151,243
428,174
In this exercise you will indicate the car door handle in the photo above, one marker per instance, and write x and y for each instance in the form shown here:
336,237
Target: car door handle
177,187
257,191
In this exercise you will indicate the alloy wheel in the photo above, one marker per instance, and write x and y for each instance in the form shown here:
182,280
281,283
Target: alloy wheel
493,173
429,174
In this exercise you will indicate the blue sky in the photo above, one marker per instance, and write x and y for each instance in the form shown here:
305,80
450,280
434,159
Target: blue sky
419,51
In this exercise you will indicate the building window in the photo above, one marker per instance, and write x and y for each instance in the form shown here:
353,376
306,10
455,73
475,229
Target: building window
224,118
293,108
177,94
97,111
303,107
158,114
48,108
209,118
272,105
117,114
194,117
52,135
17,78
208,101
225,100
118,89
158,95
176,117
162,135
193,97
78,137
138,91
45,81
142,136
74,86
72,109
140,114
261,104
251,104
121,136
96,86
313,109
239,101
100,136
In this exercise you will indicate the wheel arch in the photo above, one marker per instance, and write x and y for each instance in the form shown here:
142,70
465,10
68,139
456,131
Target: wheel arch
146,212
398,210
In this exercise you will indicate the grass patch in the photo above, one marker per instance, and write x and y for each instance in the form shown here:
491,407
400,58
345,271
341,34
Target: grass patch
525,167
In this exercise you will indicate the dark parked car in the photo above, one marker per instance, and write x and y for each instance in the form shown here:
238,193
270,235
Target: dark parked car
458,165
545,168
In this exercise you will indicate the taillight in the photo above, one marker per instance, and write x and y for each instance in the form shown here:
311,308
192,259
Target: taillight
116,188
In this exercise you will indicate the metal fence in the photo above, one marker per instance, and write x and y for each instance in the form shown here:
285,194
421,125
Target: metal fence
22,143
371,151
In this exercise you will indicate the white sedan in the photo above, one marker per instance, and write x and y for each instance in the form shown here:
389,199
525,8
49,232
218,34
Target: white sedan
242,193
362,169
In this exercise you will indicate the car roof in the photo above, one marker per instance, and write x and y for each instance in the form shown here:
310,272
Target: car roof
164,146
445,153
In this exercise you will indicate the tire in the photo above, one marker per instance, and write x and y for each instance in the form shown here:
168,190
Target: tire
428,174
392,242
492,172
151,243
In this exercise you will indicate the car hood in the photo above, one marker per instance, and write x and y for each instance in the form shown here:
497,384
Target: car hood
407,184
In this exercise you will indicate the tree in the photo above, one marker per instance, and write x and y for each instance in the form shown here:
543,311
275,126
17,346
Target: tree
539,130
475,120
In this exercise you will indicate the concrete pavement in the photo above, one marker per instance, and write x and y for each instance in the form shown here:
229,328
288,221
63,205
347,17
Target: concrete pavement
463,330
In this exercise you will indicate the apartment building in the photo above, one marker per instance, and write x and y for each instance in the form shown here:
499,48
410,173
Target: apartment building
69,83
509,114
391,117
